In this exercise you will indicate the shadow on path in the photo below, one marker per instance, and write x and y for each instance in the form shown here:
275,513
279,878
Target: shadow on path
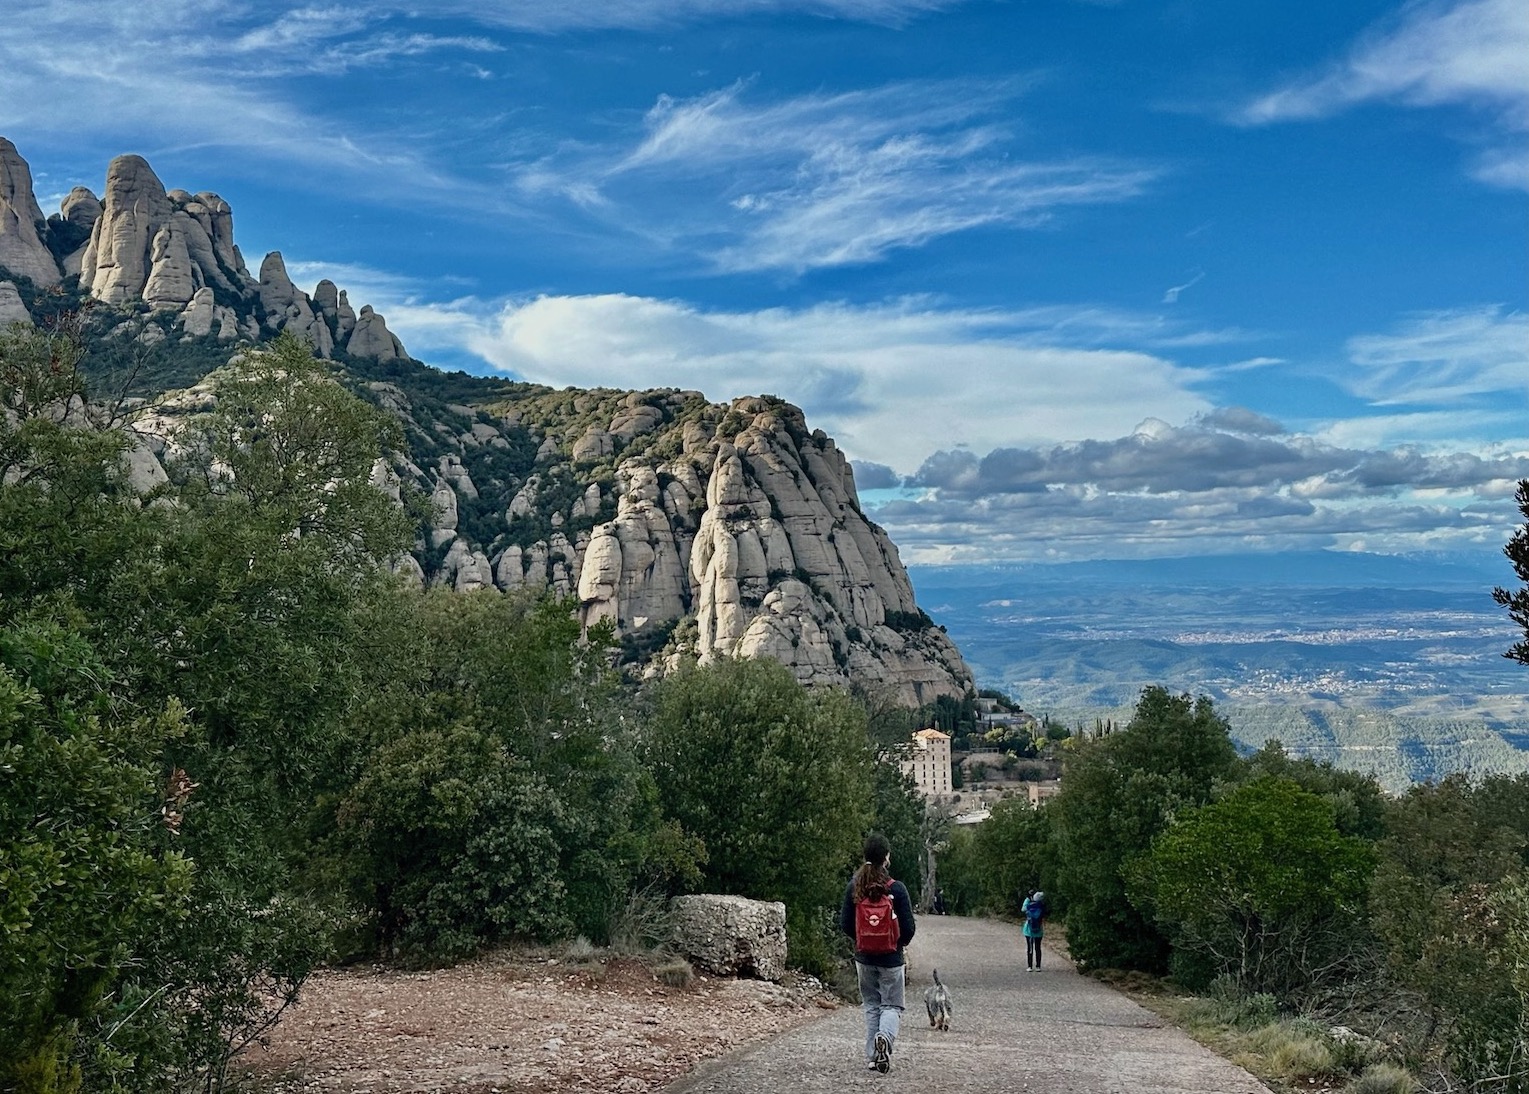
1012,1031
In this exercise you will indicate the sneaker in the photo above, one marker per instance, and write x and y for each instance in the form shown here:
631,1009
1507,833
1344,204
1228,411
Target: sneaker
883,1061
870,1065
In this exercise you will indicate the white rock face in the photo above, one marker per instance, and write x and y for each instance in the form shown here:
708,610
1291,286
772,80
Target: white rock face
371,338
164,247
115,266
81,208
22,250
201,314
732,935
12,310
757,536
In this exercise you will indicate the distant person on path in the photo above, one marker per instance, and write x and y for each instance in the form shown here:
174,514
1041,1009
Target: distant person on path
939,902
878,915
1033,911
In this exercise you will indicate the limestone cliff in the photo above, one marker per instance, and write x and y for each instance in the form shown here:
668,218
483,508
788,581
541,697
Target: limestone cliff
713,529
22,250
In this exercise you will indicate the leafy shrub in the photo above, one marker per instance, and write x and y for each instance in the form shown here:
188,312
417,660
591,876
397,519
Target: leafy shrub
773,779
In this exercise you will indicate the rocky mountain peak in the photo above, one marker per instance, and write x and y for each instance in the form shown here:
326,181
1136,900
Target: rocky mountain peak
173,250
22,250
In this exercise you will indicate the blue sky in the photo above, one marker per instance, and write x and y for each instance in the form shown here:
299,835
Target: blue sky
1064,279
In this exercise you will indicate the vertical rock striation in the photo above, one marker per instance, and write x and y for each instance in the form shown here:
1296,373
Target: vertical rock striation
22,250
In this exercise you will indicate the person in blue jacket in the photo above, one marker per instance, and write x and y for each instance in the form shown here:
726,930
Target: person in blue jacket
881,974
1033,911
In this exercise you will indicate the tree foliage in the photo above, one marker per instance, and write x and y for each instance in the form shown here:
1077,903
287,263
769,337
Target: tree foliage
1260,885
775,780
1517,600
497,791
1118,793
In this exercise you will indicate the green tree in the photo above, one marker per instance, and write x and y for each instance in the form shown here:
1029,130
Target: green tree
251,608
87,862
1118,792
1441,904
898,813
1358,803
1261,886
775,780
1517,600
500,712
1012,852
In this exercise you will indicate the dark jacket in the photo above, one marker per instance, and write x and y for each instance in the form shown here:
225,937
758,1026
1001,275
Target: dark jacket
902,907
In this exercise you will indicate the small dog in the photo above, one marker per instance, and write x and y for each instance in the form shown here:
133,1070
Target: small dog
937,1002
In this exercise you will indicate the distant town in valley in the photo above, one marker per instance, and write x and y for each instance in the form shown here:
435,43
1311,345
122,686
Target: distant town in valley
1384,664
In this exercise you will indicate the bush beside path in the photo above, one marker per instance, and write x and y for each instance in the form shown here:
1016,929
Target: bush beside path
1012,1031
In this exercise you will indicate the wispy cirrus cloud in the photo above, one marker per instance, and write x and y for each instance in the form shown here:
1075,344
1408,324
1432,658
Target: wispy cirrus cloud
1472,53
830,179
1445,356
538,16
214,75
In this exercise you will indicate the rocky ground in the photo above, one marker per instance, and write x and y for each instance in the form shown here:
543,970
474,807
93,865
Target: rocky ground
517,1024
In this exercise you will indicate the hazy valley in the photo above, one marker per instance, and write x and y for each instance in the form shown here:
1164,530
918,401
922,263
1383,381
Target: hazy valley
1378,663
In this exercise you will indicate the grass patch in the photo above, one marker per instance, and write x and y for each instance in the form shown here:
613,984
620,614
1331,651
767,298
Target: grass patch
1384,1079
676,973
1287,1052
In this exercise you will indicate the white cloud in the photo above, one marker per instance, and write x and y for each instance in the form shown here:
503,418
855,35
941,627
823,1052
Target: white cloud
1230,480
891,383
829,179
213,75
1442,357
539,16
1473,53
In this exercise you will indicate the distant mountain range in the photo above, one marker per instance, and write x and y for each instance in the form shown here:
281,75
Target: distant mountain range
1381,663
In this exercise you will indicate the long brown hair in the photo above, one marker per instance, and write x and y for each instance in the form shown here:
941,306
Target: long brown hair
873,880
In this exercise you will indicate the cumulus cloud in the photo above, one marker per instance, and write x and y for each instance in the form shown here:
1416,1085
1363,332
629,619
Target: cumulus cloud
1239,419
828,179
891,382
1164,490
875,476
1473,53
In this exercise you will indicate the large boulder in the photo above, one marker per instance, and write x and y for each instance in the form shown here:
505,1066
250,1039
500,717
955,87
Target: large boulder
371,338
732,935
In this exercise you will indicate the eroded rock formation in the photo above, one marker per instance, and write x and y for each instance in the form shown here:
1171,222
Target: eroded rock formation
175,251
22,250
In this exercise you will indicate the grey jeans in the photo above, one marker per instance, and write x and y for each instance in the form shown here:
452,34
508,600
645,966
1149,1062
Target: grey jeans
881,997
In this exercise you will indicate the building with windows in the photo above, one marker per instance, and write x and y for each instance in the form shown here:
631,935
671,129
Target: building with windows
927,760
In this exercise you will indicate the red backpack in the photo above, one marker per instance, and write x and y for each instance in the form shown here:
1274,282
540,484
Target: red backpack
876,929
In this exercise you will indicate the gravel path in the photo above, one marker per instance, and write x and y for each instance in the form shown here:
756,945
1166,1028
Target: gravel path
1051,1032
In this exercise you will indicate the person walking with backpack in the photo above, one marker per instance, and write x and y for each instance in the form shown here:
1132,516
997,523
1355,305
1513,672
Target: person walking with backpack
1034,913
878,915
